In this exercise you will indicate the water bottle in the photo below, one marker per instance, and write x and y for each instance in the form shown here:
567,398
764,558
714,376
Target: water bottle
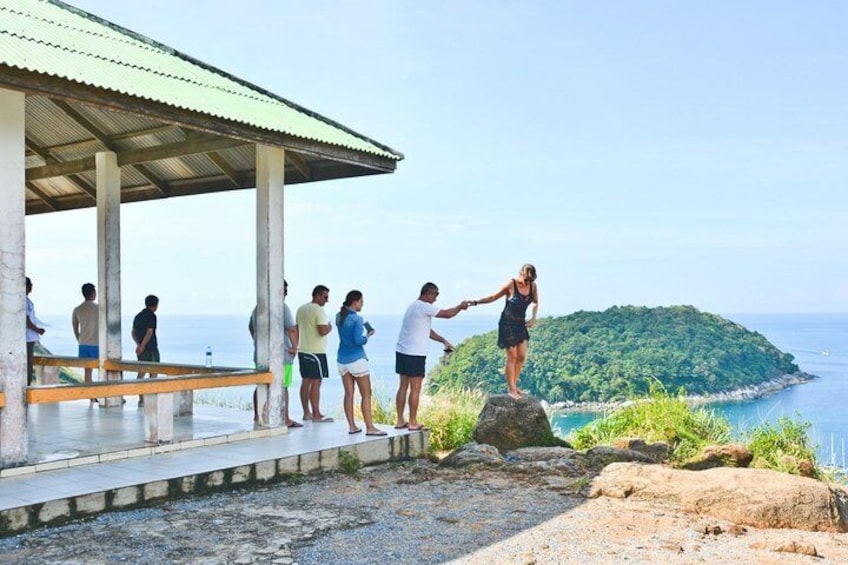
209,356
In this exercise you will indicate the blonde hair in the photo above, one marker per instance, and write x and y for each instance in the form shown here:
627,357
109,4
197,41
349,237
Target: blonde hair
529,271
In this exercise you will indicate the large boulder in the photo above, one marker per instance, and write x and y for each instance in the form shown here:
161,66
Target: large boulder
508,424
752,497
473,454
728,455
658,452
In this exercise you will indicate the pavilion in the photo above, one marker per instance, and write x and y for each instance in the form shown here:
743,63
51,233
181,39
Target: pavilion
93,115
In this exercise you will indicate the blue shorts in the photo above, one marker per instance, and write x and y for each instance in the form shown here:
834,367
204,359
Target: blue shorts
410,365
89,352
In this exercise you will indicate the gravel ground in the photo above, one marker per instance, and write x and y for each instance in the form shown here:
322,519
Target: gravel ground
412,513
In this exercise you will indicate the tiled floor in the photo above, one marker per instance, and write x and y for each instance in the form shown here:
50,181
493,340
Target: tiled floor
73,429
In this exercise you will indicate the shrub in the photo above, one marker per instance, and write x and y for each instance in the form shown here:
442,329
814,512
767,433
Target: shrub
348,462
782,446
451,416
382,410
660,417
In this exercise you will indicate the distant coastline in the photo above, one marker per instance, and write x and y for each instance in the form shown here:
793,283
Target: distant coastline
752,392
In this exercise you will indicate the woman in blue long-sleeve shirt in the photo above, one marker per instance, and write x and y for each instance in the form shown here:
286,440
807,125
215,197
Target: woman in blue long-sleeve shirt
353,363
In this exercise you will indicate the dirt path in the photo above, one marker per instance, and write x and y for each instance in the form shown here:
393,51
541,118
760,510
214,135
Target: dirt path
412,513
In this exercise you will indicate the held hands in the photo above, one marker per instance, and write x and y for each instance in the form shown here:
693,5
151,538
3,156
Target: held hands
138,349
530,323
40,331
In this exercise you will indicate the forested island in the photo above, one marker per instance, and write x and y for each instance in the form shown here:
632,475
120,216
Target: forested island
616,354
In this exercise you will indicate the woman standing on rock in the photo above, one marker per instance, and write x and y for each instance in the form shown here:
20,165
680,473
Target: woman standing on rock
353,364
512,327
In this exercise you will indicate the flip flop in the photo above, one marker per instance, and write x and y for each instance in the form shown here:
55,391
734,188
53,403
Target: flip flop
420,428
294,425
404,426
356,431
377,433
324,420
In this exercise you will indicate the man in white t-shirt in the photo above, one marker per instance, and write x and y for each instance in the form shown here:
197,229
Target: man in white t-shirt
411,351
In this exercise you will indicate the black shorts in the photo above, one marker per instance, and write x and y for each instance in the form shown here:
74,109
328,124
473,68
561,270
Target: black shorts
313,365
151,354
410,365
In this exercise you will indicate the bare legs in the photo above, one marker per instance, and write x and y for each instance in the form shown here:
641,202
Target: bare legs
287,420
364,383
413,385
304,399
313,390
349,389
515,358
400,401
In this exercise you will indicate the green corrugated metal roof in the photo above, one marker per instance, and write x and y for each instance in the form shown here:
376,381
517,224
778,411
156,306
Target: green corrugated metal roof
46,36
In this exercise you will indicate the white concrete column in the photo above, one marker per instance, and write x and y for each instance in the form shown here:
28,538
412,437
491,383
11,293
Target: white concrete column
159,418
13,365
270,169
109,264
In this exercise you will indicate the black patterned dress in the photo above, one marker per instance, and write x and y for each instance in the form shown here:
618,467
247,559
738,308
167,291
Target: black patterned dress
512,327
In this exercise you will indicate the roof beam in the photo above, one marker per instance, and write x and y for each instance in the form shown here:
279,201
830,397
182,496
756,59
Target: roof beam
134,156
225,166
49,159
98,134
143,132
50,202
299,163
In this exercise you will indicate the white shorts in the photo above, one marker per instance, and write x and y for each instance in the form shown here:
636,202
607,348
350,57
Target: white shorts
358,368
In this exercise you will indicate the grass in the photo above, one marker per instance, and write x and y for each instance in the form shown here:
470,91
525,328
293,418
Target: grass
451,417
348,462
660,417
782,446
663,416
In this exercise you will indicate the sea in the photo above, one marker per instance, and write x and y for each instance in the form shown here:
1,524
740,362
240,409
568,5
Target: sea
819,343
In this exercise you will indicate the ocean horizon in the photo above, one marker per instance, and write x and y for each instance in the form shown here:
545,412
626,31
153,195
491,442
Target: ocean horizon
819,342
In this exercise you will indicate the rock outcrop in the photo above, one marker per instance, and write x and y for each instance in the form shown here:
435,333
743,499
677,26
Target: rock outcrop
658,451
473,454
753,497
729,455
509,424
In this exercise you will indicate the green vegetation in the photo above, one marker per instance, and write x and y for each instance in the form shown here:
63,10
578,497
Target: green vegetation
451,417
662,417
348,462
783,446
616,354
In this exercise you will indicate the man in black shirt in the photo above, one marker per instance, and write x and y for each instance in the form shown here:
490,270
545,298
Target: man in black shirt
144,335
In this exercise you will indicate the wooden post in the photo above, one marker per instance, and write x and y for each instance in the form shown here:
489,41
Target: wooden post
109,264
270,167
13,364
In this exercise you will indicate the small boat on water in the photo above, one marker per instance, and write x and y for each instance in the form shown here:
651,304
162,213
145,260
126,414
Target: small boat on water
825,352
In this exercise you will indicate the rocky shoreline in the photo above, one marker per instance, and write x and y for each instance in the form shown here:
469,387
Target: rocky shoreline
762,390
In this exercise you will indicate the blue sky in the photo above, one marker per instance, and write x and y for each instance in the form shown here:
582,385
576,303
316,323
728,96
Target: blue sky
637,153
